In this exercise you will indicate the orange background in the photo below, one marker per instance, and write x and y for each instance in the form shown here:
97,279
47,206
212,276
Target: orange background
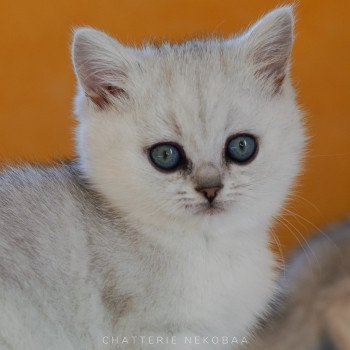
37,81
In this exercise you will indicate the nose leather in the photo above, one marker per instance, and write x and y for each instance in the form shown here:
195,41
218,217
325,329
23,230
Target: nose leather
209,192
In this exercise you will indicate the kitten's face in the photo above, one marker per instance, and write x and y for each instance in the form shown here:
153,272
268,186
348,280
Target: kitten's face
194,132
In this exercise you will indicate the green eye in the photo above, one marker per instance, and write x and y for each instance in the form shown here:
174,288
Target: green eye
241,148
165,156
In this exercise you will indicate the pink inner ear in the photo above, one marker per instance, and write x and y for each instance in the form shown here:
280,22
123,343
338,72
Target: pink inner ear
276,73
101,98
115,91
98,99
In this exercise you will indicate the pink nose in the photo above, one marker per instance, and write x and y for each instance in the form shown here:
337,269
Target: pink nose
209,192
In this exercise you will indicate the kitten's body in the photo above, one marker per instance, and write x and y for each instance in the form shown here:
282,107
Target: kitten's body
68,283
118,248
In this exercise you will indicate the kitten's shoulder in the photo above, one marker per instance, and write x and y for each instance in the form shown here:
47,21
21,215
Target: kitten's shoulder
43,200
44,213
41,185
34,176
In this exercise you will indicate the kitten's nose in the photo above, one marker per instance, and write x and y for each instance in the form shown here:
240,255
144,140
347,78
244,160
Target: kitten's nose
209,192
207,179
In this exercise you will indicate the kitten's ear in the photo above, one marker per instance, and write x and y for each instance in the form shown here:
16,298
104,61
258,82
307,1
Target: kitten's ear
268,44
101,65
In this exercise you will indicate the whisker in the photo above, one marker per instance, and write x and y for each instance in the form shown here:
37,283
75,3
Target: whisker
285,223
294,194
313,225
185,200
329,155
279,246
245,185
181,192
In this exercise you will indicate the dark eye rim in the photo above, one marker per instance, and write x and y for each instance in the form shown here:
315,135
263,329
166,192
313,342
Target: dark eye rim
242,162
182,162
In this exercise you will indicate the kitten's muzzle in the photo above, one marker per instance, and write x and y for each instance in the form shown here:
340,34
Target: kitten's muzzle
207,179
209,192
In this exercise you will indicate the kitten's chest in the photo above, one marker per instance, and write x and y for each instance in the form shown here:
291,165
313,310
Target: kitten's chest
201,289
191,290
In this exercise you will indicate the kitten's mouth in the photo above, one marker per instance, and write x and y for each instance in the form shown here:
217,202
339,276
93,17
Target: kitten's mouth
207,209
212,210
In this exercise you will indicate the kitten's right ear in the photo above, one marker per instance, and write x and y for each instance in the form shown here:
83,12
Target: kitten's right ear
268,44
101,65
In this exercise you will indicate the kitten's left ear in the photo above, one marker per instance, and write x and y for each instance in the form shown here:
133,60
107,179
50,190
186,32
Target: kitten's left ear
268,44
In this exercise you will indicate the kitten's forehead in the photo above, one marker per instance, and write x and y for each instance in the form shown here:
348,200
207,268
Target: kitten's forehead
196,96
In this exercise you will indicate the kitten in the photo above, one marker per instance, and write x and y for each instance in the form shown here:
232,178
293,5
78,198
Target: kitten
314,307
185,154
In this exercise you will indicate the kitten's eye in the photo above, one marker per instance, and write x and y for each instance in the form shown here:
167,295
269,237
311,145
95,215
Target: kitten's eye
165,156
241,148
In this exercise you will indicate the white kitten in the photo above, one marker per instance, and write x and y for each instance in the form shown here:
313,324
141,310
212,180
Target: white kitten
186,152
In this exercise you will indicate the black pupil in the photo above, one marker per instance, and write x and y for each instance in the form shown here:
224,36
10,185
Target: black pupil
166,154
242,145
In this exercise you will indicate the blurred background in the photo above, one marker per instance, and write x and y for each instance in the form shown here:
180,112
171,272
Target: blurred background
38,85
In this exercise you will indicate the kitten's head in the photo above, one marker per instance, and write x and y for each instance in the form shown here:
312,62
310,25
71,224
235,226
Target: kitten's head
193,132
